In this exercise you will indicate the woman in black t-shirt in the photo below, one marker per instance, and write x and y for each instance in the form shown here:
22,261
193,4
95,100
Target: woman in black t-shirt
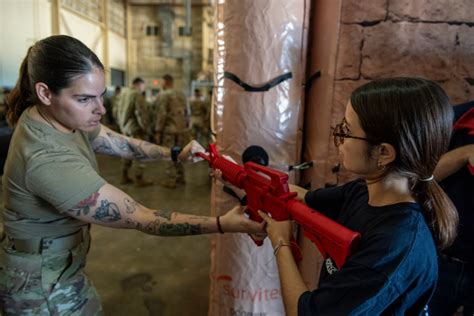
393,134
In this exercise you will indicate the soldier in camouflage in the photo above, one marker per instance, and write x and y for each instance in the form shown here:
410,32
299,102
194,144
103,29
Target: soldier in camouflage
52,189
171,127
133,113
114,103
199,113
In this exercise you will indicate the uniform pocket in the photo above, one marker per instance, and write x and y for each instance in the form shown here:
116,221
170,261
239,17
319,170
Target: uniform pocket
53,268
59,267
19,272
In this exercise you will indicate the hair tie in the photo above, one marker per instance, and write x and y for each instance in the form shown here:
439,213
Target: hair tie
427,179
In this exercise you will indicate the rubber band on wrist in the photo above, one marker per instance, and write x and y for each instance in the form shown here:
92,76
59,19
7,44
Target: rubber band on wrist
219,227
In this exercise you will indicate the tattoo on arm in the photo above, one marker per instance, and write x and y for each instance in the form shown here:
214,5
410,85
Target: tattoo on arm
179,229
169,229
124,146
130,205
164,214
119,141
138,152
154,152
120,146
85,205
133,224
103,146
162,226
107,212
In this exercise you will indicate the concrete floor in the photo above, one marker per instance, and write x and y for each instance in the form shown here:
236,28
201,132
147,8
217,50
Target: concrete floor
138,274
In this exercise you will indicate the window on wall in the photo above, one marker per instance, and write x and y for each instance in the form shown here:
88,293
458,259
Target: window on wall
117,77
152,30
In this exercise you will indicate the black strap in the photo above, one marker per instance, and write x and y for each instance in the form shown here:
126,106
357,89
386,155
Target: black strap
309,82
175,151
272,83
243,201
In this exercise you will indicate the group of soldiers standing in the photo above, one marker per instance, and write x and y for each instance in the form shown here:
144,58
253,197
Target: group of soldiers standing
170,121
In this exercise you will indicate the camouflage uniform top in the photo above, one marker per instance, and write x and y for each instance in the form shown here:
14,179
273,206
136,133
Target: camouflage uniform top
133,113
171,112
208,105
198,108
115,103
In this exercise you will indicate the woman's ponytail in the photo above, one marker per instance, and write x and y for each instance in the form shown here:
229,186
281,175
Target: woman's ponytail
21,97
444,216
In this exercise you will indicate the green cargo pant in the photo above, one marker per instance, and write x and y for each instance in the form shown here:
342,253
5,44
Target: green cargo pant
137,167
200,131
47,283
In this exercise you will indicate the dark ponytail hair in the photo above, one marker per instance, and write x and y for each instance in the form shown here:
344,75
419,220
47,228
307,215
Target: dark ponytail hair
55,61
20,97
413,115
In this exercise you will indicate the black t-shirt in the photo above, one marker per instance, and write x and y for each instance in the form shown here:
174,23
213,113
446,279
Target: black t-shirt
460,188
394,269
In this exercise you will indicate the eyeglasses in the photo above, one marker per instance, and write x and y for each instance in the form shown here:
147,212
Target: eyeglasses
341,131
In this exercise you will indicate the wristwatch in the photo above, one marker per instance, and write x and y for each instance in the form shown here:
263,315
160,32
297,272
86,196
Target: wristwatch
175,151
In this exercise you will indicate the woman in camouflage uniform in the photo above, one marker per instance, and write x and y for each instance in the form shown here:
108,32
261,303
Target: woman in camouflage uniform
53,190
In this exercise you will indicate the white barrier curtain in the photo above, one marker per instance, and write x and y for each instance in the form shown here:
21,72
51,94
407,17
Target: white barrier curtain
260,45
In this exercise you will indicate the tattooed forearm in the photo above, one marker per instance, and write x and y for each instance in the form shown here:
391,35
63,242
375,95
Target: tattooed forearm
198,218
109,208
156,152
119,147
143,150
107,212
115,144
102,145
169,229
124,147
164,214
83,207
179,229
130,205
119,141
130,148
134,224
137,152
169,223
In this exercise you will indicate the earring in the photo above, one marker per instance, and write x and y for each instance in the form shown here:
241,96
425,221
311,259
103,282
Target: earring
380,165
